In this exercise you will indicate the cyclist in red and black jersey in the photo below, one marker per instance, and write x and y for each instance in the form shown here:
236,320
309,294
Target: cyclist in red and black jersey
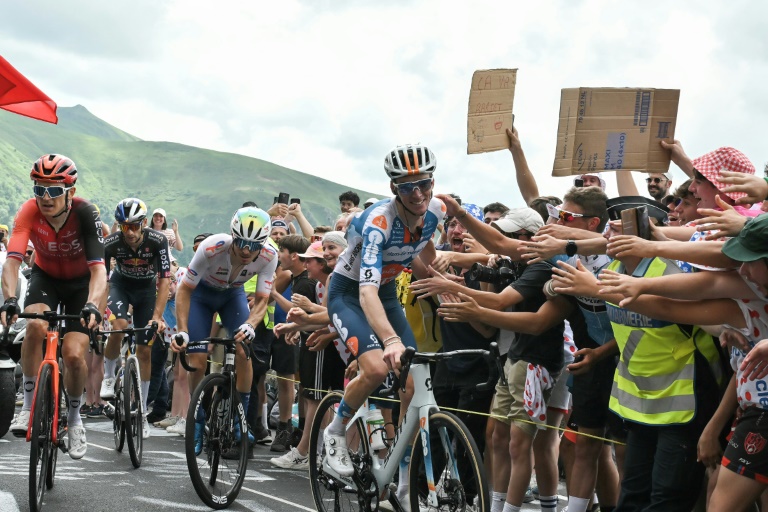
69,270
141,278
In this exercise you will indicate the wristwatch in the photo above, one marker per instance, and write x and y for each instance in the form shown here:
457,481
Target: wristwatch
571,248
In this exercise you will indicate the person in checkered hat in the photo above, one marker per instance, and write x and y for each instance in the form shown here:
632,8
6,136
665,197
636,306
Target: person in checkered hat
706,185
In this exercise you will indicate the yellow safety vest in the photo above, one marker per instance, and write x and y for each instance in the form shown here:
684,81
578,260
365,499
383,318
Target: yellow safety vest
655,380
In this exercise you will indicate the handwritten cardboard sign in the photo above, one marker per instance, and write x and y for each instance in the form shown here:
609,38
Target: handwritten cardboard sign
490,109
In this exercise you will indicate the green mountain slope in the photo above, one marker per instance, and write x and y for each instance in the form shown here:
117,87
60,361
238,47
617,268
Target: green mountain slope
201,188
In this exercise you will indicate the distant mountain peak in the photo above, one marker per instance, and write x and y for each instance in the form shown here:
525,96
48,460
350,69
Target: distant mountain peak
80,119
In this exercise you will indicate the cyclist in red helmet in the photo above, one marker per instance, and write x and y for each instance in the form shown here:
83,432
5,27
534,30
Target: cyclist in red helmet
69,271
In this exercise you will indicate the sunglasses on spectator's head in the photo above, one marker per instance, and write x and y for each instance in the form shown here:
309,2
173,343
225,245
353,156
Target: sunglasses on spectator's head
133,226
517,236
242,243
564,215
408,188
655,180
676,201
53,191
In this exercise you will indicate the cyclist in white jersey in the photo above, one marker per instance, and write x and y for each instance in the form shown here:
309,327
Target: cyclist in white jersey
362,298
213,284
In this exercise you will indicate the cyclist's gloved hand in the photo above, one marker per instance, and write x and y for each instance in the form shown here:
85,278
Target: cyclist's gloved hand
247,331
10,308
180,341
90,315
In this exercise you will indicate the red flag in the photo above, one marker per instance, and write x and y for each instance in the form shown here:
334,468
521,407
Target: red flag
19,95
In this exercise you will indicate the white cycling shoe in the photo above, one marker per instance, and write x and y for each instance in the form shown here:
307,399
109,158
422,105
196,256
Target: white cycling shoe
336,454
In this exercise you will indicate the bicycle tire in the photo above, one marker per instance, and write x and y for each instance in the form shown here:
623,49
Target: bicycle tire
7,398
132,412
216,481
118,425
456,486
62,428
40,437
326,491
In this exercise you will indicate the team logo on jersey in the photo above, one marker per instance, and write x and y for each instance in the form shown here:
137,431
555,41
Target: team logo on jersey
754,443
215,247
380,221
371,254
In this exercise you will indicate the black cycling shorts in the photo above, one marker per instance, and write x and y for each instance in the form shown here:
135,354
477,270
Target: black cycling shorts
72,294
142,298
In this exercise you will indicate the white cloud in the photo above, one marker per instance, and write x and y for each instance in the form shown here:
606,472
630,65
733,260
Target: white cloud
328,87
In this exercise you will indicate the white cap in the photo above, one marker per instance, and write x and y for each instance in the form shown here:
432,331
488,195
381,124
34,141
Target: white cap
516,219
371,200
160,211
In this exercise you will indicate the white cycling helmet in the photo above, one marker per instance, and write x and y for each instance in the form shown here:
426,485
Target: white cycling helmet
409,160
252,224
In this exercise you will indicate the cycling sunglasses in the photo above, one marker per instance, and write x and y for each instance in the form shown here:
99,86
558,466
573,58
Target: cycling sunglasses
130,227
242,243
655,180
408,188
53,191
564,215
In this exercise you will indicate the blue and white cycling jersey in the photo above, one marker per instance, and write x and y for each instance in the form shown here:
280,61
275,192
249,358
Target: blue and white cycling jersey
380,244
594,310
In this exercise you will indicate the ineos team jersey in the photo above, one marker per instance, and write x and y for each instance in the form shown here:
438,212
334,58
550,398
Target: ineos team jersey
380,244
212,266
150,259
64,254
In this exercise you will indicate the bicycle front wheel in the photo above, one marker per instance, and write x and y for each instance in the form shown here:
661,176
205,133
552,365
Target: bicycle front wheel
132,411
213,412
458,474
118,423
41,445
62,429
330,494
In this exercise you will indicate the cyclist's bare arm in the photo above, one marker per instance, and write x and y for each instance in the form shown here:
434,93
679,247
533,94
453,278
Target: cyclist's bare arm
163,286
10,277
183,297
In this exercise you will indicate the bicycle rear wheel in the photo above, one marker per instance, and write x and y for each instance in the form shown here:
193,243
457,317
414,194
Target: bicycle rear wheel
41,439
132,411
329,493
213,411
458,474
118,423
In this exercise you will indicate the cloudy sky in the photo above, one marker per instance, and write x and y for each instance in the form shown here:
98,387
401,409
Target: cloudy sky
327,87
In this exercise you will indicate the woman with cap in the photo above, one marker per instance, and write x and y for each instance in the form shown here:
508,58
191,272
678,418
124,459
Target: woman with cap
159,223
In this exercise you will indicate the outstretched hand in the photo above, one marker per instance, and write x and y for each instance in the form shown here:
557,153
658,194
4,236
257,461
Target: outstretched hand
725,223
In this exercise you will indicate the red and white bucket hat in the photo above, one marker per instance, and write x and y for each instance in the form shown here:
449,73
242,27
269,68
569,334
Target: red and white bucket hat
723,159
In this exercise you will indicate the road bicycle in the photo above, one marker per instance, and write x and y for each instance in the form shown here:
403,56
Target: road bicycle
48,418
216,409
446,470
128,408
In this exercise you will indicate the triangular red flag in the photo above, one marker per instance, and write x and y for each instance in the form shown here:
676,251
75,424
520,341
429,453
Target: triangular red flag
19,95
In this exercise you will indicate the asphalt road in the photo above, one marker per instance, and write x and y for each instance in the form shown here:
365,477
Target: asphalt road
105,480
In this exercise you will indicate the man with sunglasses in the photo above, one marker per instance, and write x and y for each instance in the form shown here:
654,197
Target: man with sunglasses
362,297
213,284
659,185
66,232
140,280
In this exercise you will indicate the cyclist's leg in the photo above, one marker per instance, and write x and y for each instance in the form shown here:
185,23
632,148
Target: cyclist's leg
202,308
118,302
143,302
41,296
234,313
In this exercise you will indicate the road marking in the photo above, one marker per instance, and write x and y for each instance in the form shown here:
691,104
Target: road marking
281,500
174,505
8,502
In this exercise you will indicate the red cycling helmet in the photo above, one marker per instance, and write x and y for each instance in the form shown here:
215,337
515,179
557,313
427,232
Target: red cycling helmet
54,168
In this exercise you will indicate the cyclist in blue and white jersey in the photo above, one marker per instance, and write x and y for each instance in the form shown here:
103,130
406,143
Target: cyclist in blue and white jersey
362,298
213,284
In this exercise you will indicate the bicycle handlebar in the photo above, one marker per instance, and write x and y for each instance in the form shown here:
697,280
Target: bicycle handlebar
410,356
216,341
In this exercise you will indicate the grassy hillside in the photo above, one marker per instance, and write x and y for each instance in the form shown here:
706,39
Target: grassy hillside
199,187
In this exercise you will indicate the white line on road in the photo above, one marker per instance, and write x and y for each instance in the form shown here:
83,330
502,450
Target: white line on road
173,505
8,502
281,500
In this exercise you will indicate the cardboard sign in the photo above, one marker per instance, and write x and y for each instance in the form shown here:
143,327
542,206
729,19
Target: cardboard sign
614,129
490,110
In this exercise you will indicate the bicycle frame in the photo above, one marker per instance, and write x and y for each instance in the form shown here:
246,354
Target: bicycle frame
50,359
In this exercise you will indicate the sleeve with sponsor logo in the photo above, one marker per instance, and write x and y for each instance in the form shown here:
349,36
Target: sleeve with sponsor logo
162,261
92,233
266,278
22,224
371,262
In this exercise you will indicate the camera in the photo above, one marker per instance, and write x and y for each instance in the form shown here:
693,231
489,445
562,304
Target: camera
503,275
